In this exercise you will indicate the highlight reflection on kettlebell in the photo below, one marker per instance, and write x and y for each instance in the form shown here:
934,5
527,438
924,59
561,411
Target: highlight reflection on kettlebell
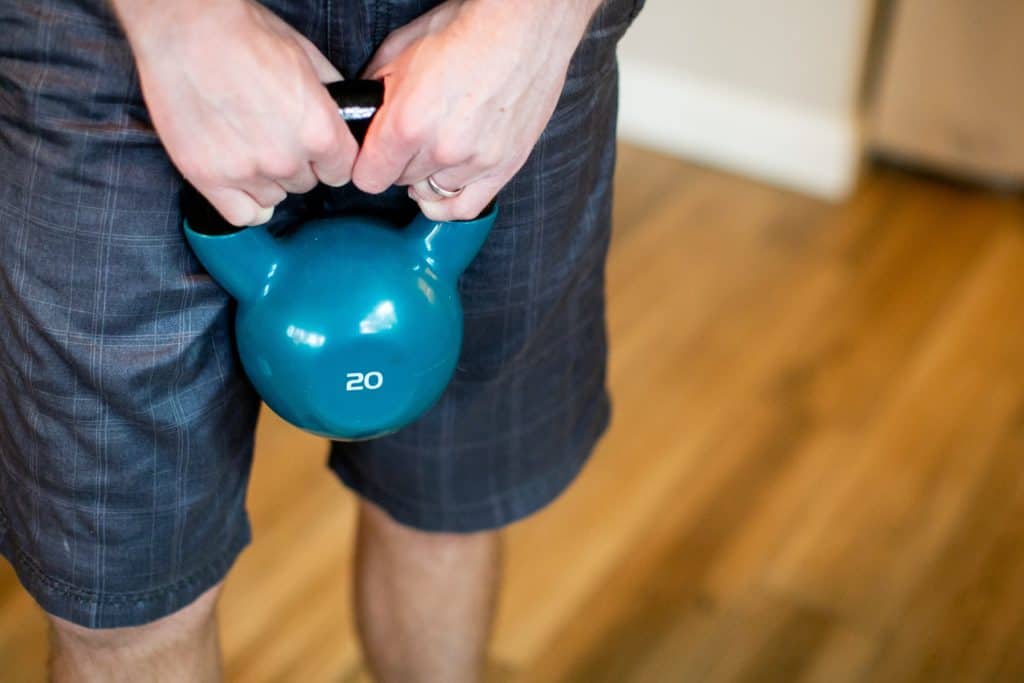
347,327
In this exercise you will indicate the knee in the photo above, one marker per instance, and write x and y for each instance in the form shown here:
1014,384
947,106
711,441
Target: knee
186,623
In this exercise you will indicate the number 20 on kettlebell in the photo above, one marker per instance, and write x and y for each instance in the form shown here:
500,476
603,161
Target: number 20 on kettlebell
359,381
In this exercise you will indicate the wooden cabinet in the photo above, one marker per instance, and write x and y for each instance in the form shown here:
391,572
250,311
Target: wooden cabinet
950,93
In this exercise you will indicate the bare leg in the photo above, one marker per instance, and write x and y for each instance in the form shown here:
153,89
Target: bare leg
424,602
180,647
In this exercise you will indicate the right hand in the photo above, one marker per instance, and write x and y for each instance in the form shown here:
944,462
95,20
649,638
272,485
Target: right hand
236,96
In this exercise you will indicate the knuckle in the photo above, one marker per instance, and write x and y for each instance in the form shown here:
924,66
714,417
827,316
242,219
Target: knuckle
450,152
275,196
488,158
304,184
321,138
279,166
239,170
408,127
202,178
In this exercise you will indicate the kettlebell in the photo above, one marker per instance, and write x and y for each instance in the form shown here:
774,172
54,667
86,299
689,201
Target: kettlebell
346,326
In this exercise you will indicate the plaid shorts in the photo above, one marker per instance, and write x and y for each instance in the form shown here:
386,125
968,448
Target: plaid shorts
126,424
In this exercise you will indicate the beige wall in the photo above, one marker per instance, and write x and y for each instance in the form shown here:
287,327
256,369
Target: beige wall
807,52
795,60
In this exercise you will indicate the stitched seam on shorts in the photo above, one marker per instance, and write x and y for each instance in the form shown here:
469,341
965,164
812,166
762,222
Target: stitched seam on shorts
93,597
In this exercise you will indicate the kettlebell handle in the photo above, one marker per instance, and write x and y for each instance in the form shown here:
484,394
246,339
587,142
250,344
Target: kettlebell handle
358,102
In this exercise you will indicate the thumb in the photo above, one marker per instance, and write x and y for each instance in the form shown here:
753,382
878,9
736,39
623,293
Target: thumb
401,39
397,43
393,46
325,71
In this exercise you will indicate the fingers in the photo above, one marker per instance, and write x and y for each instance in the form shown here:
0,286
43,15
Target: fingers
266,193
467,206
387,150
454,180
336,171
332,149
325,142
422,165
389,146
300,182
399,148
237,207
321,150
246,190
329,144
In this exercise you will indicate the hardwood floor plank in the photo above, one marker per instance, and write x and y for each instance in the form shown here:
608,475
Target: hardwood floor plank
874,532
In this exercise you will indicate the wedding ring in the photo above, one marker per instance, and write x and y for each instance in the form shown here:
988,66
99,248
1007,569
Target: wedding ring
442,192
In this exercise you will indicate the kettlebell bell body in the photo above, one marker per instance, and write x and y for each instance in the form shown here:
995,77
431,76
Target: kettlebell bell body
347,327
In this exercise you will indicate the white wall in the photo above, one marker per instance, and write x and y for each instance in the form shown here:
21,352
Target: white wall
763,87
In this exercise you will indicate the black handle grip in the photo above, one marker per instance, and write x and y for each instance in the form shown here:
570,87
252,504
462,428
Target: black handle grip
358,102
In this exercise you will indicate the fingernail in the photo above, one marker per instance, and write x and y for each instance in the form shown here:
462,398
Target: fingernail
343,183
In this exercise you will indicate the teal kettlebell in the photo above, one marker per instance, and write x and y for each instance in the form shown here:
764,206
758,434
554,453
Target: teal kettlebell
346,327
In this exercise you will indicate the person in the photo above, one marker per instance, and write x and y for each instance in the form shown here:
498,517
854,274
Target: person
126,423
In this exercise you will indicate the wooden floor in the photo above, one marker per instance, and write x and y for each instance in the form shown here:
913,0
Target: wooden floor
816,470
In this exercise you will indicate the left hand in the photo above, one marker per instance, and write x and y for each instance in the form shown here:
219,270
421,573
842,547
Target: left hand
469,88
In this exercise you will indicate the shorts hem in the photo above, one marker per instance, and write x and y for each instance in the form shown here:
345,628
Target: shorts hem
99,610
501,510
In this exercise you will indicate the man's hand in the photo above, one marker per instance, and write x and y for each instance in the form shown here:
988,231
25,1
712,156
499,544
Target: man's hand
469,88
236,96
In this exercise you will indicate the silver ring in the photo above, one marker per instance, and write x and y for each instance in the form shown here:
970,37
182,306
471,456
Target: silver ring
442,192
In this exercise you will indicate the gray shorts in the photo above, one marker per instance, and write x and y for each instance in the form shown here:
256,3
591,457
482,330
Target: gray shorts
125,422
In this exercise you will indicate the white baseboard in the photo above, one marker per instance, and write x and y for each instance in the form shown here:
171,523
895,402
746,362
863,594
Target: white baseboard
781,143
